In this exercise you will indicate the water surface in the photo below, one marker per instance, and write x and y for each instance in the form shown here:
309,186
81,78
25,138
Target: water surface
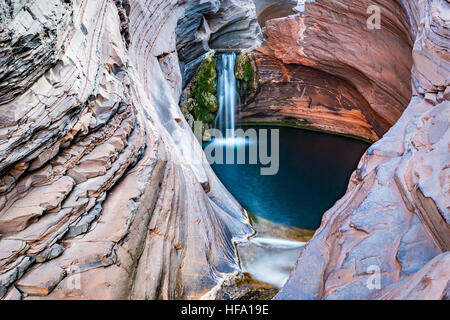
314,172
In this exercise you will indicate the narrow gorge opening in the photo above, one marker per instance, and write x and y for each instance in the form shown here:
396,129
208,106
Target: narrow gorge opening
326,107
106,192
312,172
313,167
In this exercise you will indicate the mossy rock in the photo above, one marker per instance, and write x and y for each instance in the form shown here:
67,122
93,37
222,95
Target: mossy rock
209,100
202,103
245,73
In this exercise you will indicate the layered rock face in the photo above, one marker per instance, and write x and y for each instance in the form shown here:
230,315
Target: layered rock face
104,190
389,237
334,37
106,194
307,98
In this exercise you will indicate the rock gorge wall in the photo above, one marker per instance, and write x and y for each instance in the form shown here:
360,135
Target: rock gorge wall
394,220
333,37
105,193
104,190
305,97
225,25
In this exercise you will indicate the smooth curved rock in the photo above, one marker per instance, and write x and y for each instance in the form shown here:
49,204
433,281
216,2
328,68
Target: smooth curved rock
105,192
393,223
215,25
333,36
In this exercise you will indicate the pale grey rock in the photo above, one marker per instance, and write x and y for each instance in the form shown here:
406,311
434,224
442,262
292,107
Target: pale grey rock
225,24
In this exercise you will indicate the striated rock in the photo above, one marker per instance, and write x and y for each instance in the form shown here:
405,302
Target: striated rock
308,98
426,284
24,211
223,25
234,26
334,37
30,43
104,191
271,9
393,223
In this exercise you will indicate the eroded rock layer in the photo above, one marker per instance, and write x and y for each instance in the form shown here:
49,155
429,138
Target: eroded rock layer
389,237
333,36
308,98
104,190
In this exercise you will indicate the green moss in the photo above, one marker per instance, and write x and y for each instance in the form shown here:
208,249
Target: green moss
284,99
244,71
203,104
299,122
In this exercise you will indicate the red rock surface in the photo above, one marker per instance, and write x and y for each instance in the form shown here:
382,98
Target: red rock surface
104,191
106,194
307,97
394,219
332,36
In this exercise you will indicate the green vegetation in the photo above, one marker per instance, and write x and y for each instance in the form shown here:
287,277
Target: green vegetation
284,99
245,75
202,102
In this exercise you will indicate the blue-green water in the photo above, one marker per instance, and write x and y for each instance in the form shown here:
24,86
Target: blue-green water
314,172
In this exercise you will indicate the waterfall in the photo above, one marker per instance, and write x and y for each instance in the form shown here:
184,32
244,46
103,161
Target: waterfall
227,94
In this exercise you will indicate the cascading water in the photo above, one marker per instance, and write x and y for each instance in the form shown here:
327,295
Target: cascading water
227,95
